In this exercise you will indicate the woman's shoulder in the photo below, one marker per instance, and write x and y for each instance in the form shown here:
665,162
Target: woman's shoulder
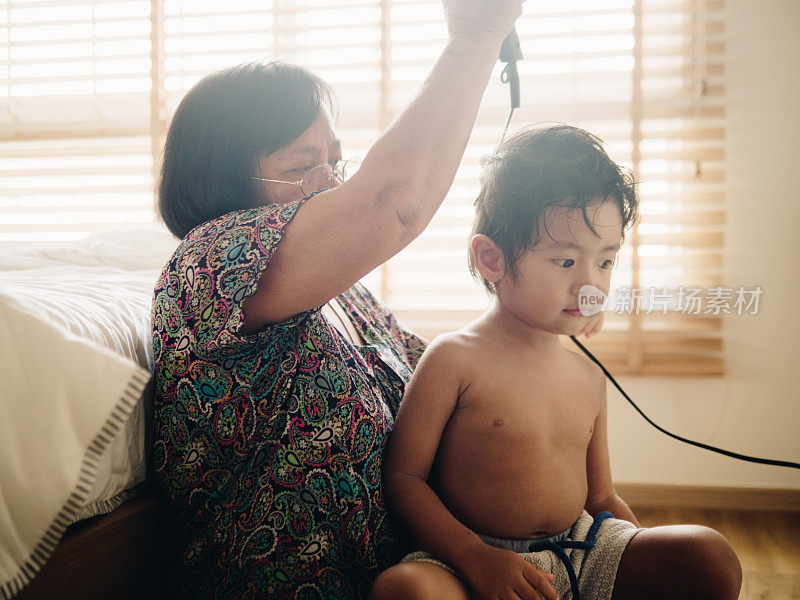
232,231
215,268
227,254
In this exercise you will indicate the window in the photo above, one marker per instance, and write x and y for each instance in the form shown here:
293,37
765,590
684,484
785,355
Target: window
87,88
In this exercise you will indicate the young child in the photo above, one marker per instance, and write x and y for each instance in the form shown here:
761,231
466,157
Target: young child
498,461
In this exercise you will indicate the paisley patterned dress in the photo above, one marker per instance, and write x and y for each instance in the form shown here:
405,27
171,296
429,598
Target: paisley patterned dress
269,446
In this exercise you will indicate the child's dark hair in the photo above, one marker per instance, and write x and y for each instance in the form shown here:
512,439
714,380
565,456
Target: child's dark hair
541,168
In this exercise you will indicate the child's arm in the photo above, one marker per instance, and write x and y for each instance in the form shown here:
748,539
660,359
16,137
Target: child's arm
429,401
602,496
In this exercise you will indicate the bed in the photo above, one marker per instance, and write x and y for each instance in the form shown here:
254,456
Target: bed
78,516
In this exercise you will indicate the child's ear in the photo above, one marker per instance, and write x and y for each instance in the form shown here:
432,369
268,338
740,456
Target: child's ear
488,258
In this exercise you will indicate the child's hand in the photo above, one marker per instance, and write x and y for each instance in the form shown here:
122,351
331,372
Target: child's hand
495,574
593,326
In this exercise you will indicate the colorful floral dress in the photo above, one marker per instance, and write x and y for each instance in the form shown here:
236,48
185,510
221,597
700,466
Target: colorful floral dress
269,446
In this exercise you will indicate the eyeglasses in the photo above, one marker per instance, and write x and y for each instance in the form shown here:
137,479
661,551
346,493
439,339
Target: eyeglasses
322,177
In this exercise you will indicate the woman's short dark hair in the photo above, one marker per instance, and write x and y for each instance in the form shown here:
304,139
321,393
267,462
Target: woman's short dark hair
219,130
540,168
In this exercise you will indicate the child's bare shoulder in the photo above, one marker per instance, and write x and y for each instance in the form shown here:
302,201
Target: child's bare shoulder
458,345
447,364
593,375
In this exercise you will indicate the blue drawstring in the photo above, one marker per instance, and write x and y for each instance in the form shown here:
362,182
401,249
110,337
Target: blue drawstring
558,549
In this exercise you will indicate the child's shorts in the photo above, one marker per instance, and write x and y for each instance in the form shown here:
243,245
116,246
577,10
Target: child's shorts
584,563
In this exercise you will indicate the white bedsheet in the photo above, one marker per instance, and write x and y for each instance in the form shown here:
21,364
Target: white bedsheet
75,358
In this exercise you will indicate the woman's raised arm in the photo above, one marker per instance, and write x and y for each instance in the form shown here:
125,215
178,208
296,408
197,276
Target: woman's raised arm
340,235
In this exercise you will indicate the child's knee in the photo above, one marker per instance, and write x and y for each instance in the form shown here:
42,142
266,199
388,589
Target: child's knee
710,566
418,580
401,582
720,565
679,562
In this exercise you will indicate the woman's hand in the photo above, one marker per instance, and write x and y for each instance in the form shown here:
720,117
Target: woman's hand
495,574
481,17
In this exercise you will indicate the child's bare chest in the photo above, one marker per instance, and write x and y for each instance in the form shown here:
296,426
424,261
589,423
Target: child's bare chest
518,441
516,404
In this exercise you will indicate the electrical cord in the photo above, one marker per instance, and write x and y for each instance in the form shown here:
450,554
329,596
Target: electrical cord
510,53
508,122
763,461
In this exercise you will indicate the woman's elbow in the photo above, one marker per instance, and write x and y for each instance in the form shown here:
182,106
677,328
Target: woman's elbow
396,197
401,196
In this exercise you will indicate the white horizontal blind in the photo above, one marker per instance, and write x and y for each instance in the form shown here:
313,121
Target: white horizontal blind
341,41
87,89
75,151
678,155
338,40
648,78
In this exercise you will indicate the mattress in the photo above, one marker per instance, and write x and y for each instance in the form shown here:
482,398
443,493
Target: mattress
75,361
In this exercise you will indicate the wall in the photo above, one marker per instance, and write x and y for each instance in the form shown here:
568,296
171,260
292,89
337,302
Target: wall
755,408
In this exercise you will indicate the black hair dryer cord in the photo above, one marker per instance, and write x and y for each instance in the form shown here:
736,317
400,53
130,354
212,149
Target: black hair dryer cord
763,461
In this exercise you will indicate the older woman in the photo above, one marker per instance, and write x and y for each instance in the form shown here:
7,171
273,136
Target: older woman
277,374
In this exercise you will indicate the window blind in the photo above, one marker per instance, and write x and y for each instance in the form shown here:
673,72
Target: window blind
647,77
87,89
75,152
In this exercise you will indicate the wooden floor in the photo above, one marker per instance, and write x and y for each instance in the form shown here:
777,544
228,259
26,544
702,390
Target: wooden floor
768,545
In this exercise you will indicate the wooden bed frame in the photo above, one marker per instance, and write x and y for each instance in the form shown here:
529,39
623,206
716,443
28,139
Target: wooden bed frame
119,556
